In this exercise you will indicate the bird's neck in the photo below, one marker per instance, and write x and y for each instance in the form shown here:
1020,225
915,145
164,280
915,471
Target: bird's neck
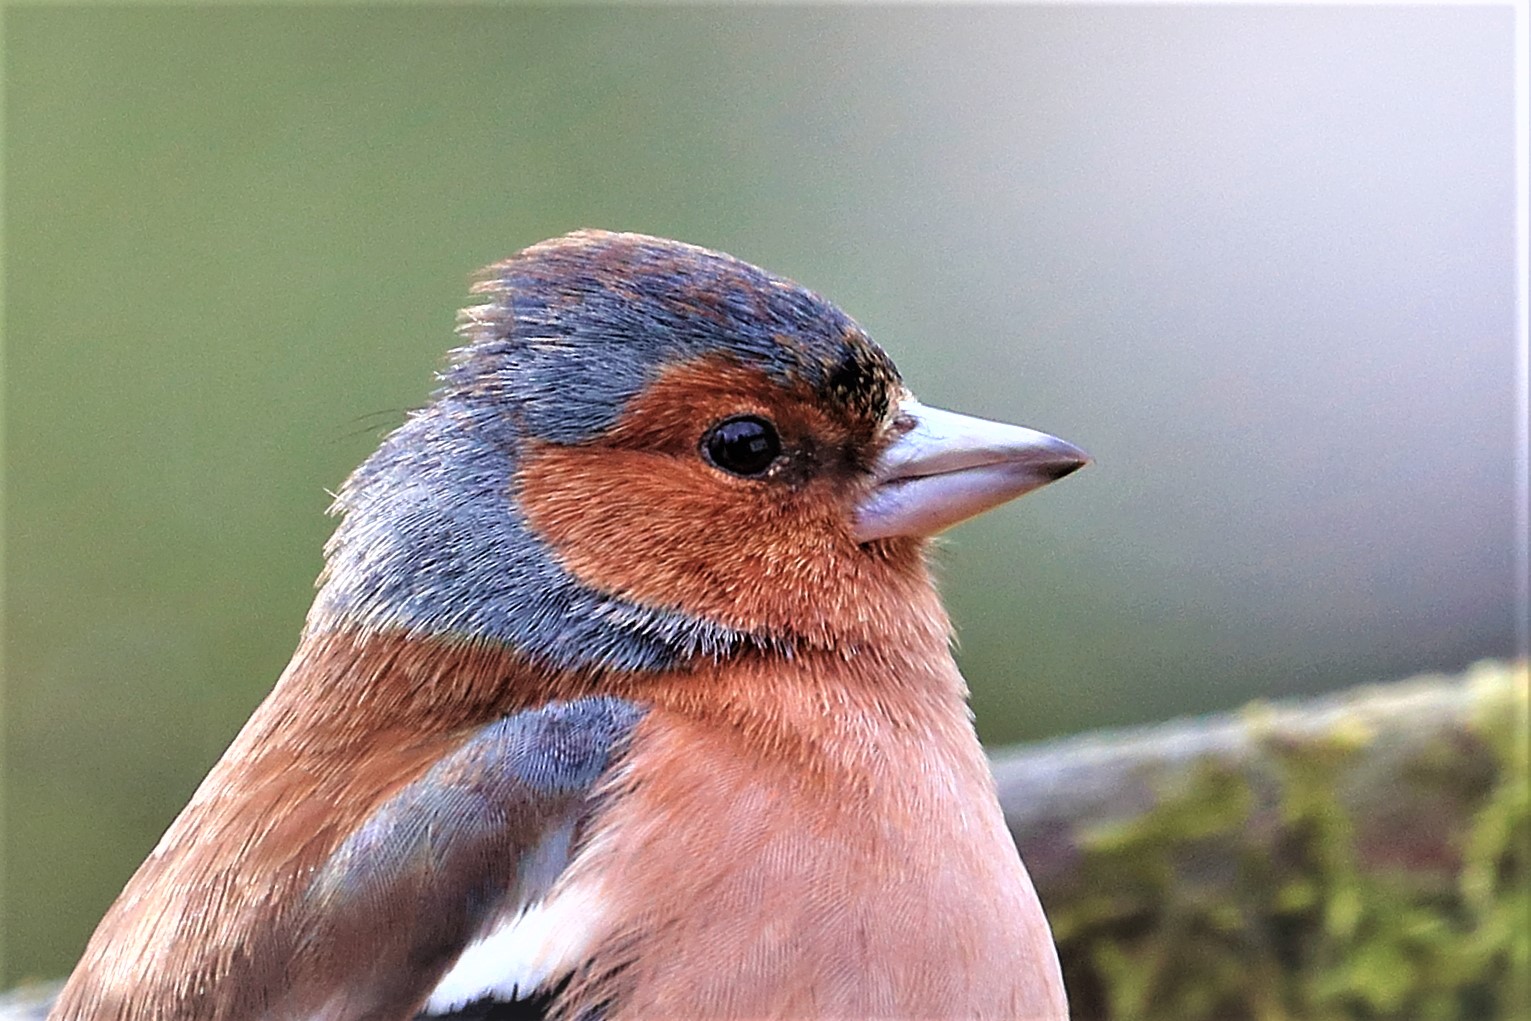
348,681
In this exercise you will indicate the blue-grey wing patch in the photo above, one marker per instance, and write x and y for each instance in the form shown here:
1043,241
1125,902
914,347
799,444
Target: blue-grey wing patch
482,834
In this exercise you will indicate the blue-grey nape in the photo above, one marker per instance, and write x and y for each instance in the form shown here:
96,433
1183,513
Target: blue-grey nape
536,765
432,543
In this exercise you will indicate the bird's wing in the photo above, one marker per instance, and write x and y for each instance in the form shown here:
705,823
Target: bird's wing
423,905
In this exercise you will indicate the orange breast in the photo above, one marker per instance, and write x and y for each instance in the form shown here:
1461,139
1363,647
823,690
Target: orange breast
851,864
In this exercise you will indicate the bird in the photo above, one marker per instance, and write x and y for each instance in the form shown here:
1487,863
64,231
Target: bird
626,693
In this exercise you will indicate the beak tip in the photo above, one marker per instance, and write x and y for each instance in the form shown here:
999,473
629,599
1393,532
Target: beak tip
1066,459
1059,469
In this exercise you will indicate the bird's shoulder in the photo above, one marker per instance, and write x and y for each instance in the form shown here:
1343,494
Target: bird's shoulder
351,882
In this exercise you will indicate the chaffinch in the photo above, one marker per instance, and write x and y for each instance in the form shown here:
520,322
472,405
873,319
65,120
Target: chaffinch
626,694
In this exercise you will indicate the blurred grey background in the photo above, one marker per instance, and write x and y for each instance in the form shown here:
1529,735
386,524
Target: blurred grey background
1258,261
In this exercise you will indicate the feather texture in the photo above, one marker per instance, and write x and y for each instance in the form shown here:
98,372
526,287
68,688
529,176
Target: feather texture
586,723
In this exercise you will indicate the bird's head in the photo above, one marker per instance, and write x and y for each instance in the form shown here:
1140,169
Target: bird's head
647,452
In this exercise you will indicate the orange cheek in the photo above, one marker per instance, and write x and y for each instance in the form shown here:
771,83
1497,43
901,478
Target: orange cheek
670,530
640,514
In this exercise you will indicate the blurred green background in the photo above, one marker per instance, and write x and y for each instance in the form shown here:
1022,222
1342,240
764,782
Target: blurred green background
1258,261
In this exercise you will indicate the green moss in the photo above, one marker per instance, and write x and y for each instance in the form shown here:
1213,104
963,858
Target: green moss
1228,899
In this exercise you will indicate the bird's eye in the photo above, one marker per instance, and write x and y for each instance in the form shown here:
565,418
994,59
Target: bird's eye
745,445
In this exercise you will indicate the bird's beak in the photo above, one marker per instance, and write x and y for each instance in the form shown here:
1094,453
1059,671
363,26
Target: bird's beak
944,468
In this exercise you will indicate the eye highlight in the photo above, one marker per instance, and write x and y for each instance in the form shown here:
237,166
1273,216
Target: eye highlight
745,445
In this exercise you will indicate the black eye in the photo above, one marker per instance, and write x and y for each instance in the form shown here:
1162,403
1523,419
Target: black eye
745,445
